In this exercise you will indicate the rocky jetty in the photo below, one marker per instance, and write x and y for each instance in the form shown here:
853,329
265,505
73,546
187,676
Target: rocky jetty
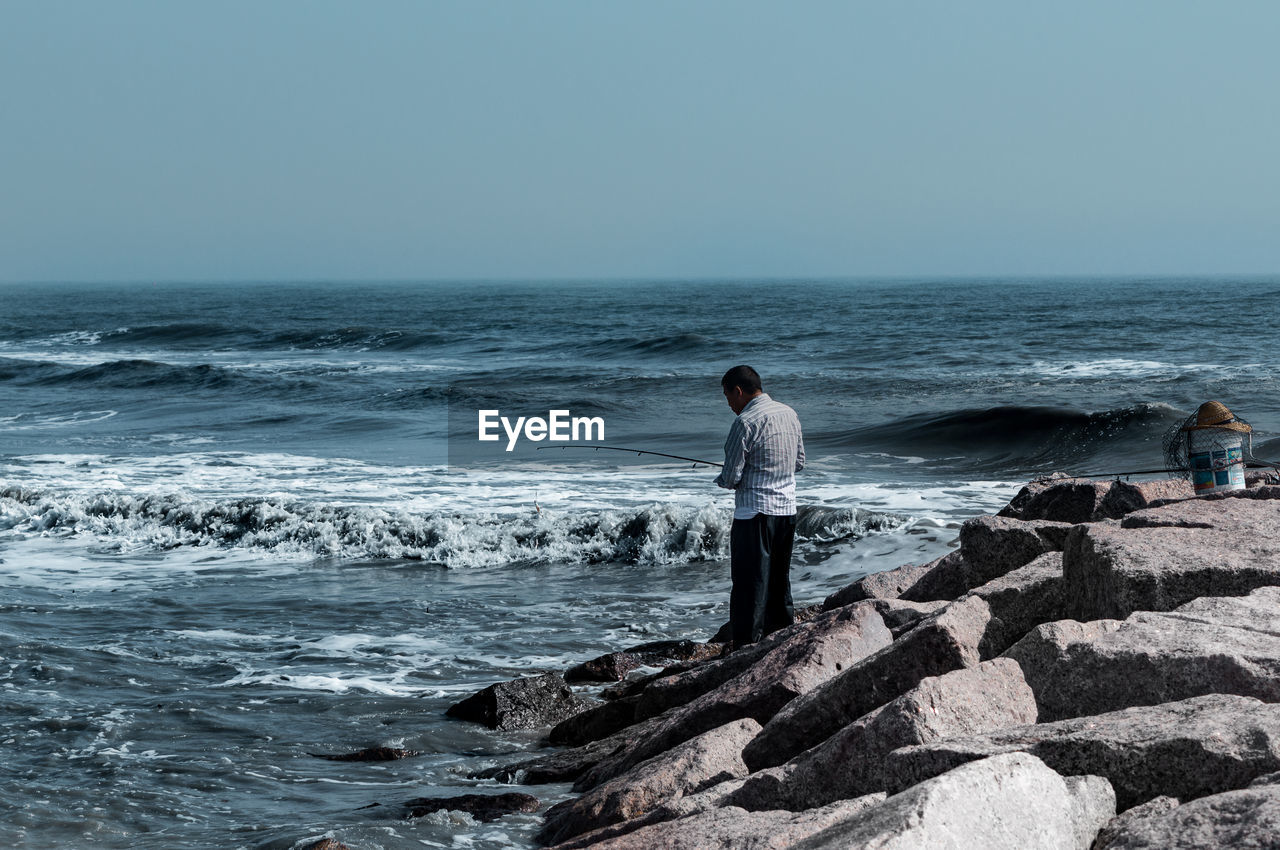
1097,666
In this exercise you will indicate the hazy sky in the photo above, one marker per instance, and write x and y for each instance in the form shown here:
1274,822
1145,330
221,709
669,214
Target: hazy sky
344,140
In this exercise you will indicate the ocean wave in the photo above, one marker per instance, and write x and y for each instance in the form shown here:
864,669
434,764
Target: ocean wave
153,374
356,338
1018,437
1120,367
653,534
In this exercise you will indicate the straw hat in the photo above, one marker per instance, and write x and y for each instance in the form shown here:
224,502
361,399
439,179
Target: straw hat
1214,414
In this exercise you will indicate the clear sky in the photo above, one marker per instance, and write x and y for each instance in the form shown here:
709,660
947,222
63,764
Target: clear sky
541,138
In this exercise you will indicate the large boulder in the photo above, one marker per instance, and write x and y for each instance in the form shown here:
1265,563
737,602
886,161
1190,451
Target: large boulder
526,703
902,616
1008,802
1160,558
887,584
730,828
990,696
945,579
1025,598
997,545
951,639
1125,497
1120,823
1227,645
810,655
1186,749
600,721
1060,499
1248,818
699,763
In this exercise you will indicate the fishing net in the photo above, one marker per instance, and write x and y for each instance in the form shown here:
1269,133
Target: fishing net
1177,445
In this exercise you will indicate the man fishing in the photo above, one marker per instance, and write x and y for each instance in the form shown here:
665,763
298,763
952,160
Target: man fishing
762,455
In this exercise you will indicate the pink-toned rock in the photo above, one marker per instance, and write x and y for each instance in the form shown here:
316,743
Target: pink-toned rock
696,764
1185,749
1023,599
1159,558
1221,644
807,657
888,584
998,545
990,696
1007,802
731,828
946,641
902,616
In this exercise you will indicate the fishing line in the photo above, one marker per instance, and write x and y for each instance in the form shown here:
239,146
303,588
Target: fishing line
693,460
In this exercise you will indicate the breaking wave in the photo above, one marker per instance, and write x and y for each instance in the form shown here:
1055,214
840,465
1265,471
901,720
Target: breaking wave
1021,437
655,534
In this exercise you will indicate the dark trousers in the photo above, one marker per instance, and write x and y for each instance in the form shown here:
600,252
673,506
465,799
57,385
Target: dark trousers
760,550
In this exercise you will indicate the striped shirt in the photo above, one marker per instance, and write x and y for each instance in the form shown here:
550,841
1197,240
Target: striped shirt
764,452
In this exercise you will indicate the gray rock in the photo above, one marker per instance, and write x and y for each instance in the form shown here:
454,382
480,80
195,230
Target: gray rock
482,807
525,703
1125,497
599,721
697,764
946,641
1226,645
1121,822
998,545
808,656
990,696
1248,818
1160,558
948,578
681,807
565,765
612,667
1071,501
888,584
1187,749
731,828
1025,598
902,616
1009,801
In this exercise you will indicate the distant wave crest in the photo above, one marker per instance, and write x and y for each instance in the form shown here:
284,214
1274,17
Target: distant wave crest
655,534
1019,437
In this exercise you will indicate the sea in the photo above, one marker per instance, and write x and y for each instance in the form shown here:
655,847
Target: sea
246,524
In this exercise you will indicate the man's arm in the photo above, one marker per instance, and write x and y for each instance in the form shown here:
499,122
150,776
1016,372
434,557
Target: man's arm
799,449
735,457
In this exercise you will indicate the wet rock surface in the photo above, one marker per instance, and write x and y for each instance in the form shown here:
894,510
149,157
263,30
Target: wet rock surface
371,754
482,807
521,703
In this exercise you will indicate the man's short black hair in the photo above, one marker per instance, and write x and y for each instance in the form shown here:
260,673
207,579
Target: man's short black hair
742,376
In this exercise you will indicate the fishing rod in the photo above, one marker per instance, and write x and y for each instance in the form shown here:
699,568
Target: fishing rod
637,451
1258,463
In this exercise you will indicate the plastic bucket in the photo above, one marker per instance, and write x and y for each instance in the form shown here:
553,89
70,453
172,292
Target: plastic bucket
1217,460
